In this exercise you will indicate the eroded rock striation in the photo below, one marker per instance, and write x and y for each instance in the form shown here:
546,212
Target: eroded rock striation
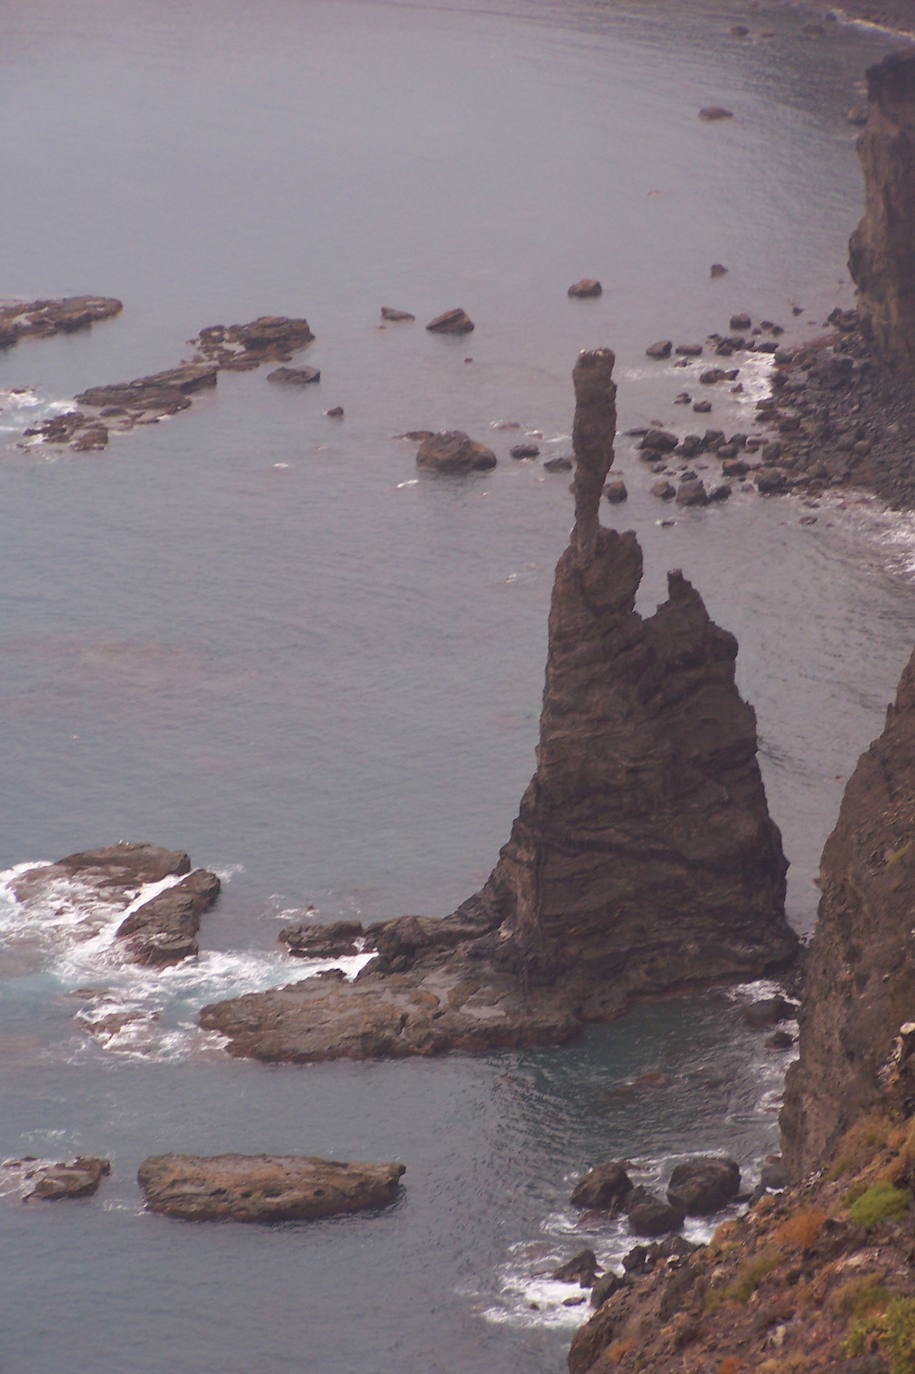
882,248
643,858
264,1187
859,994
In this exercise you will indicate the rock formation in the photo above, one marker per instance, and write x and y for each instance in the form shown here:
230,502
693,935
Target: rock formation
643,858
860,982
452,450
264,1187
102,882
79,1177
39,319
882,248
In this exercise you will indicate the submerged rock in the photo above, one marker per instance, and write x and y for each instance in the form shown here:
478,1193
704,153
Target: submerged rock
264,1187
294,376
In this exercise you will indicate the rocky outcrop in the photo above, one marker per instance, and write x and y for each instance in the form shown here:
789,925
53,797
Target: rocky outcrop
454,451
294,376
643,858
164,929
264,1187
882,248
455,321
115,872
239,347
40,319
860,978
79,1177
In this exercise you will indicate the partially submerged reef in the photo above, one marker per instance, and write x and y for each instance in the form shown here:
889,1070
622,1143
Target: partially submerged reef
643,858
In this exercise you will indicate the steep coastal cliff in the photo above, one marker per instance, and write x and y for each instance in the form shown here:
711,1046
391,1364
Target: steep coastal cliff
643,858
882,248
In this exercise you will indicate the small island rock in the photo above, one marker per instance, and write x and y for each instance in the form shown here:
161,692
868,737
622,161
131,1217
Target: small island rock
452,450
455,321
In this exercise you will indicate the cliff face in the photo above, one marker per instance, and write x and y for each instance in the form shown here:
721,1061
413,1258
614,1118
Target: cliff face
860,987
882,248
643,858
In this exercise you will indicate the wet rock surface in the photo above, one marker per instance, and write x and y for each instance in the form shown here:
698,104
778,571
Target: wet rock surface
703,1185
455,321
264,1188
41,319
454,451
164,929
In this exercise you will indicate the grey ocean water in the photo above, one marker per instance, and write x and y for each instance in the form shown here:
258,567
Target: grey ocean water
252,633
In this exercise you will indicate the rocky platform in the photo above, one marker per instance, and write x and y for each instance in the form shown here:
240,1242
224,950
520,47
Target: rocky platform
78,1177
265,1188
41,319
643,859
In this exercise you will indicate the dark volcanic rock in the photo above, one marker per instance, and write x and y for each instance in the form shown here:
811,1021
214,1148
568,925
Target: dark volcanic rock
661,349
616,492
643,857
860,980
264,1187
703,1185
650,1215
454,451
603,1188
582,1269
294,376
455,321
882,255
605,1287
78,1178
39,319
164,929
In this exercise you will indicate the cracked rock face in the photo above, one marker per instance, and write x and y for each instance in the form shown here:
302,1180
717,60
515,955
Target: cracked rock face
882,248
643,858
859,990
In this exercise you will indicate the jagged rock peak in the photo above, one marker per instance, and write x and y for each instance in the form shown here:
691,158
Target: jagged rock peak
860,982
881,253
593,432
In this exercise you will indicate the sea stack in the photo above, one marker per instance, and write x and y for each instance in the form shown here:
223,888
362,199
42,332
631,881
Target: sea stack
643,858
857,1036
882,248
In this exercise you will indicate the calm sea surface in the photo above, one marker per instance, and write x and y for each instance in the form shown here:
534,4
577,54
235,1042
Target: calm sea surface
250,631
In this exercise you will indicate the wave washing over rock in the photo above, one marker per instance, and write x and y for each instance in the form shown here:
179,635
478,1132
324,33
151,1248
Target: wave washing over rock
643,858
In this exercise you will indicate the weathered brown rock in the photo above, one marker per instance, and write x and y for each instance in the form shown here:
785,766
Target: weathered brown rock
116,871
713,112
882,247
39,319
455,321
704,1184
860,979
164,929
159,391
603,1188
264,1187
308,940
78,1178
643,858
396,316
454,451
588,286
294,376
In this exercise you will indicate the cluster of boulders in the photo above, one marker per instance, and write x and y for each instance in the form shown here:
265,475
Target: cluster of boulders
698,1187
264,1188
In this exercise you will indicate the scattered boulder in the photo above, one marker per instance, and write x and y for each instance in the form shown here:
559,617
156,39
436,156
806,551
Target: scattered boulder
711,375
771,482
78,1178
664,490
454,451
689,350
660,440
586,287
294,376
713,112
606,1286
615,492
641,1259
650,1215
692,493
455,321
335,413
717,269
264,1187
395,316
774,1175
703,1185
768,1011
740,321
582,1269
559,464
603,1188
661,349
525,451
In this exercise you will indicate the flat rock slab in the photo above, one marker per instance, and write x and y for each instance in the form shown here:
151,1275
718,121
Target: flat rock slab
294,376
264,1187
115,870
386,1017
43,318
